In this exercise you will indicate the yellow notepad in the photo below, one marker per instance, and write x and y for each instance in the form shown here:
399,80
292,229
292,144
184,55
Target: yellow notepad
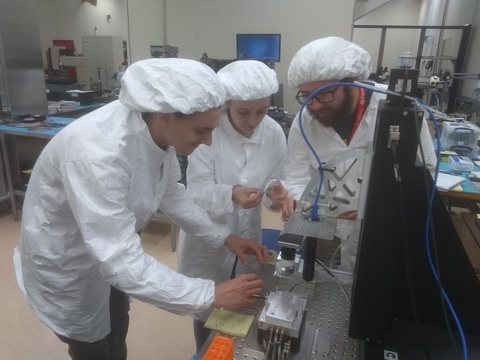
229,323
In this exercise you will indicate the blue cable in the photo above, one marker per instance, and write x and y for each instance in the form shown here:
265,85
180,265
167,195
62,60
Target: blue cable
314,212
427,239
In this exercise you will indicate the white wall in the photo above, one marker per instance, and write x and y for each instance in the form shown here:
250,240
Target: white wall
199,26
210,26
145,20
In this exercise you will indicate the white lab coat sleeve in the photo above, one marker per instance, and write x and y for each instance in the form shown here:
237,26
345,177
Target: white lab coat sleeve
97,194
297,168
202,186
187,214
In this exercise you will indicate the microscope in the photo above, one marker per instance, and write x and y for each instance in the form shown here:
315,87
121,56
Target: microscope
334,189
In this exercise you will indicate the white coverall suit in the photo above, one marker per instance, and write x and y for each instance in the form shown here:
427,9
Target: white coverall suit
301,163
101,179
212,171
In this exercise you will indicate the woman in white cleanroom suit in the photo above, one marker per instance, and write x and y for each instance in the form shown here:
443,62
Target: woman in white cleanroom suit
96,185
227,178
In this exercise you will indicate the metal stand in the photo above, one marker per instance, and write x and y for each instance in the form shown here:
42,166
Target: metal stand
6,167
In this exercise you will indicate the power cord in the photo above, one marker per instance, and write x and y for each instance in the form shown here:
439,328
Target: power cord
329,272
434,241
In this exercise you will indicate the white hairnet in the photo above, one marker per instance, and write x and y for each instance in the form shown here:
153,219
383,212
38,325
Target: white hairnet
171,85
330,58
248,80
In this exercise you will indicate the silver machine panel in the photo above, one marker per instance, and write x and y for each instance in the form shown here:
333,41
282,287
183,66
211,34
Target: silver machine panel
21,60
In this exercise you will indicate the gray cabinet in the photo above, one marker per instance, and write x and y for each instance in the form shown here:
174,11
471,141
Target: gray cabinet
22,87
104,56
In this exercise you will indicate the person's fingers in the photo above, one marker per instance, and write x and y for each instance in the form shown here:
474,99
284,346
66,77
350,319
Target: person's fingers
291,206
288,208
254,285
238,292
255,198
254,194
260,252
263,253
284,212
251,277
250,198
250,190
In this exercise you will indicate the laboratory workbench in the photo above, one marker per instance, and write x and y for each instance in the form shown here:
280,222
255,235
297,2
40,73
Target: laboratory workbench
55,124
326,328
326,323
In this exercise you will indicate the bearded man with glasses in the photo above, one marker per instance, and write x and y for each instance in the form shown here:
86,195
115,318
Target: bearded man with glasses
335,119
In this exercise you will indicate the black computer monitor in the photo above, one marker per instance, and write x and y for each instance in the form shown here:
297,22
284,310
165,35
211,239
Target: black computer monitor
396,302
261,47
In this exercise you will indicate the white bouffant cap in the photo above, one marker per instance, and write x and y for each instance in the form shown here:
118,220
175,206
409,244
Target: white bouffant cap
330,58
171,85
248,80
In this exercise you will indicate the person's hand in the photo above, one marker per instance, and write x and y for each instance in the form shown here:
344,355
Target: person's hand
238,292
277,193
288,208
246,197
243,247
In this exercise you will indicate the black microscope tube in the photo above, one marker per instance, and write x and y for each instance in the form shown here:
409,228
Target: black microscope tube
310,250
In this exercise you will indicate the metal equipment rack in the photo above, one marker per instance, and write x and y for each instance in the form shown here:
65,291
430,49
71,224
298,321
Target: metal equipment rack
458,61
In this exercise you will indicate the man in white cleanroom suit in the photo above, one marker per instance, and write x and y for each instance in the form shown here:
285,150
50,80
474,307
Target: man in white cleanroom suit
335,120
96,185
227,178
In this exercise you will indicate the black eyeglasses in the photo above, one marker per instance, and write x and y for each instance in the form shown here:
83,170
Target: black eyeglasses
322,97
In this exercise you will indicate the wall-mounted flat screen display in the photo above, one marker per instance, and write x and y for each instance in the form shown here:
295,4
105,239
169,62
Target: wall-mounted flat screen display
262,47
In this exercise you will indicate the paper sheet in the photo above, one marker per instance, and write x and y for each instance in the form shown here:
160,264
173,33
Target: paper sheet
446,182
229,323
